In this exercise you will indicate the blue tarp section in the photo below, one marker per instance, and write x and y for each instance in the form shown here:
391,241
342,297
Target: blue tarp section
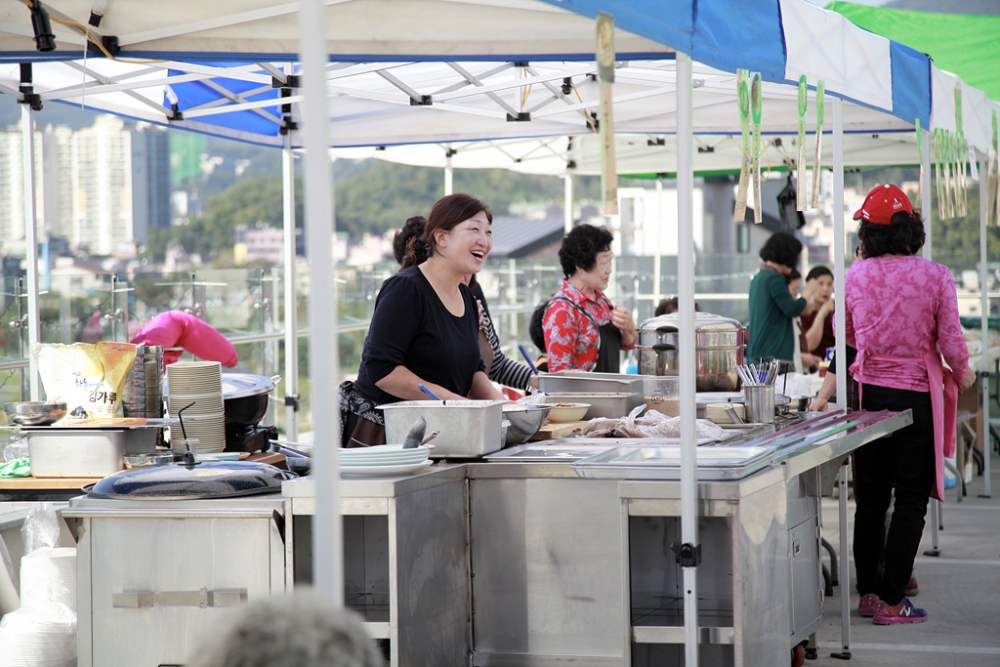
196,94
747,34
668,22
911,84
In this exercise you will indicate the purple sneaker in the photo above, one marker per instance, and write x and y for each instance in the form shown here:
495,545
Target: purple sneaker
869,601
904,612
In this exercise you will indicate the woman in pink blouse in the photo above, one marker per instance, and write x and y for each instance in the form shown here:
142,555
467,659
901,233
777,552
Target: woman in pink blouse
902,316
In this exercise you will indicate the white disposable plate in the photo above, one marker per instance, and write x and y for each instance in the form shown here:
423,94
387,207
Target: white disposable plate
384,470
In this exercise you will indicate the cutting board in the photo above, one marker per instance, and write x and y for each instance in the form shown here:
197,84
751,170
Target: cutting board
553,430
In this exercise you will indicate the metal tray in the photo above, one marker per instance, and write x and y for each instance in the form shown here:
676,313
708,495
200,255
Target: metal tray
557,452
602,404
576,382
469,428
718,463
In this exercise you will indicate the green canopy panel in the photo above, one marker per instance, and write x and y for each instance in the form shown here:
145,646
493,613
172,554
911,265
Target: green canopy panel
968,46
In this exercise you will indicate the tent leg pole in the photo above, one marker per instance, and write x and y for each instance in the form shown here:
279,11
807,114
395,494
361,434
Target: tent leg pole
685,280
291,303
985,335
31,243
328,564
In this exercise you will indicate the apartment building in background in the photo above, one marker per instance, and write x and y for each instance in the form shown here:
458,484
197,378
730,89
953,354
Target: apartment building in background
102,188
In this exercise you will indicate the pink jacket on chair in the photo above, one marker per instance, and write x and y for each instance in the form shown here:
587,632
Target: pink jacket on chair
175,328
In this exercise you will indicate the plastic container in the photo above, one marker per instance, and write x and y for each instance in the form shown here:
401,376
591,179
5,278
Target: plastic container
661,393
76,452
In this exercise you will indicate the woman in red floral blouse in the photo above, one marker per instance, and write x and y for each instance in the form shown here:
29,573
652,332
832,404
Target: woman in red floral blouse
583,330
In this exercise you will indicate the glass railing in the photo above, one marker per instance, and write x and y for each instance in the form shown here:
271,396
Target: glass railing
247,305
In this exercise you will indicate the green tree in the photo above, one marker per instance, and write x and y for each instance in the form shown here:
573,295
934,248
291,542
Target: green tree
252,202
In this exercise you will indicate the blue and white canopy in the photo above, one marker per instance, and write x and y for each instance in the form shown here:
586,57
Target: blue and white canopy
427,71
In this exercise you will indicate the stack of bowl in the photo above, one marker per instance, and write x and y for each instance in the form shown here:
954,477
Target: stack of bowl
195,395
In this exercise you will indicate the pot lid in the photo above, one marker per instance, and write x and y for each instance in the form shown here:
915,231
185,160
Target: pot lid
702,322
182,481
241,385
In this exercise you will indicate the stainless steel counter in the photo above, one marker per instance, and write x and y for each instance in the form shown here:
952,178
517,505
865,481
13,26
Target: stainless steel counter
486,563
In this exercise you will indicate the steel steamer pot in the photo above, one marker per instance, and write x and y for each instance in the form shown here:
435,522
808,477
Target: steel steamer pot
720,343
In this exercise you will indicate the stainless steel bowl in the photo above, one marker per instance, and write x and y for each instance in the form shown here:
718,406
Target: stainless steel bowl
525,420
34,413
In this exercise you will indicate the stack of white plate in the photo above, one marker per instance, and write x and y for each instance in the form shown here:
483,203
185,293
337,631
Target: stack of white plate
383,460
49,575
198,383
39,636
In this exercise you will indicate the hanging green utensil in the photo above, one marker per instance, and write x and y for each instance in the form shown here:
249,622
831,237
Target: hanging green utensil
801,199
756,103
818,157
743,98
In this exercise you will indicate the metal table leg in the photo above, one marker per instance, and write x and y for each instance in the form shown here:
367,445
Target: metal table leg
845,569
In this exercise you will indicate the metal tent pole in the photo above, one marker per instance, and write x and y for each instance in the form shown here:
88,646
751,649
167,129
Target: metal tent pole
31,240
449,174
291,303
925,192
985,334
568,202
839,243
328,565
690,552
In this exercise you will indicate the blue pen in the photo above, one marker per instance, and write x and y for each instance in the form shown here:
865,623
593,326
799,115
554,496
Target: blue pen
422,387
527,357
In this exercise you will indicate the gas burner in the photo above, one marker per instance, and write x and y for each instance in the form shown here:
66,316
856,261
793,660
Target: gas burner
249,438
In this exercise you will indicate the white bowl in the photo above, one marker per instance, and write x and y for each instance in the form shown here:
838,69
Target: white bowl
567,412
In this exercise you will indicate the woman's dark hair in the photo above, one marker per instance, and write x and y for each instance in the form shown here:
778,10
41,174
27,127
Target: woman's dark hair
670,305
413,229
781,248
580,247
818,272
446,214
903,236
535,329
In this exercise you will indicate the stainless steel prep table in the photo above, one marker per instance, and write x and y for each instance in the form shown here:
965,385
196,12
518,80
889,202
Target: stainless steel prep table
406,564
152,575
579,569
488,564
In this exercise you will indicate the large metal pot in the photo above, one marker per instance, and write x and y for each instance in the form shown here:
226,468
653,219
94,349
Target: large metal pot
245,397
719,346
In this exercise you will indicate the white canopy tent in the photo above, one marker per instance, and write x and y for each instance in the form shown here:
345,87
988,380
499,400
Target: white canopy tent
782,40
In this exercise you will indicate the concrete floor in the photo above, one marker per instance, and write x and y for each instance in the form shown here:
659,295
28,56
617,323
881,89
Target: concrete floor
960,590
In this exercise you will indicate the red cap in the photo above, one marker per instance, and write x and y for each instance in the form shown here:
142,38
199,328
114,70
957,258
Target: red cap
882,203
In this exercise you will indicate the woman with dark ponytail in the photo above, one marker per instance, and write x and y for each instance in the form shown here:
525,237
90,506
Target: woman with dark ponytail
425,326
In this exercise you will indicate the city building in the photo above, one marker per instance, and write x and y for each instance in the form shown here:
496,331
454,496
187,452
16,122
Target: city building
102,187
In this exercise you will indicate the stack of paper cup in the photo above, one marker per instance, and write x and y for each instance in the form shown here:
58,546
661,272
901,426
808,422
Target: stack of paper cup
49,575
197,384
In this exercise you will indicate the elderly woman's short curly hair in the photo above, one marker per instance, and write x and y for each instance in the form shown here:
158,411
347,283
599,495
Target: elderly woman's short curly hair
580,247
301,629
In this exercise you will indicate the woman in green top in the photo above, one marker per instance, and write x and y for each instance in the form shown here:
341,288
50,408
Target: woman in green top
772,307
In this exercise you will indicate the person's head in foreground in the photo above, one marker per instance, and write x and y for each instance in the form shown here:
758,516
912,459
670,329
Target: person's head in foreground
889,225
301,629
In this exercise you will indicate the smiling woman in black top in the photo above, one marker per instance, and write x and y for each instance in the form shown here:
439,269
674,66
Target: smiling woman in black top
425,326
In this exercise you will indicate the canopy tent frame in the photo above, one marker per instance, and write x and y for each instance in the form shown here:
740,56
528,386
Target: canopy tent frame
640,33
